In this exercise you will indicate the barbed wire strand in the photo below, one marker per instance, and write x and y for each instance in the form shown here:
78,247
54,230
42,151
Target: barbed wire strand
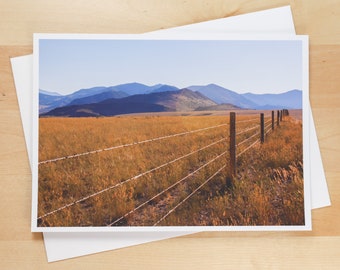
190,195
250,146
248,120
268,129
168,188
269,121
128,180
246,130
268,126
246,140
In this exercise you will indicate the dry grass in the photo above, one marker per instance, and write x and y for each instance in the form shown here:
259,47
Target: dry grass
268,190
66,181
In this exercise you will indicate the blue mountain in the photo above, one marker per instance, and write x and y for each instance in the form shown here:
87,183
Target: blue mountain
215,93
49,100
163,88
180,100
111,93
289,100
133,88
49,93
223,96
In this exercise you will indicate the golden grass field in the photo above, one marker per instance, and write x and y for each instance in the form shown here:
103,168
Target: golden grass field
268,187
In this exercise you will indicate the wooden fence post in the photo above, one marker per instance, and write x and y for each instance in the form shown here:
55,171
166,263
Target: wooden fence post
232,150
285,112
281,115
273,120
262,127
278,118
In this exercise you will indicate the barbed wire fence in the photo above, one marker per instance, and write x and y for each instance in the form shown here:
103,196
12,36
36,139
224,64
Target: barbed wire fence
267,124
239,143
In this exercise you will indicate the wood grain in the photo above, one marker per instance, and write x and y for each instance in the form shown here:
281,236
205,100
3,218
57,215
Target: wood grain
318,249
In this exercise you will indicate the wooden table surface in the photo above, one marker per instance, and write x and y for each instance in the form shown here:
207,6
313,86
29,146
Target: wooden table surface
318,249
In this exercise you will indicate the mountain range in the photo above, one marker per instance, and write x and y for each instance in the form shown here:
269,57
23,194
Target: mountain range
137,98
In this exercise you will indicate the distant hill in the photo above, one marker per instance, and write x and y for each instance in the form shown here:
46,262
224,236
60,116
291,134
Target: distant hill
222,95
133,88
180,100
85,92
289,100
106,109
49,93
112,93
163,88
137,88
51,100
170,98
45,99
48,102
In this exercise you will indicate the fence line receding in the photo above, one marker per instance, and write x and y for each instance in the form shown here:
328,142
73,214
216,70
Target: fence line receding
240,142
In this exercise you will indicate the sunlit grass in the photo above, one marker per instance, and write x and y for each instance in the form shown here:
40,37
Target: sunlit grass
268,189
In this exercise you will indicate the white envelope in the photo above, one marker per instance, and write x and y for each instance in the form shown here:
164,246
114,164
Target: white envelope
61,246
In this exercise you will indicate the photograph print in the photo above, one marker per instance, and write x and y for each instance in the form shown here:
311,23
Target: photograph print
170,134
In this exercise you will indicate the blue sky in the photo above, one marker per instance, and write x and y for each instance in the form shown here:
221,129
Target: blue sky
257,66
